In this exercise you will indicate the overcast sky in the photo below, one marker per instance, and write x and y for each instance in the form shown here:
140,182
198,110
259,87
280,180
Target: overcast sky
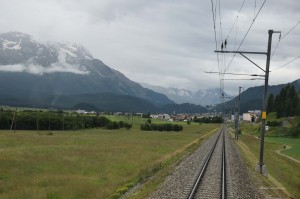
167,43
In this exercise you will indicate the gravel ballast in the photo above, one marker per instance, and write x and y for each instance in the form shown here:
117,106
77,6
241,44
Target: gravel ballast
239,183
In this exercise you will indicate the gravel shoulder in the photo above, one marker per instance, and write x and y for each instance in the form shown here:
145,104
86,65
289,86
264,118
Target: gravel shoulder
240,183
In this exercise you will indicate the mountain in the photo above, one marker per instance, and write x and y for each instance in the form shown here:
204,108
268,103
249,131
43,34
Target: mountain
252,98
32,72
183,108
200,97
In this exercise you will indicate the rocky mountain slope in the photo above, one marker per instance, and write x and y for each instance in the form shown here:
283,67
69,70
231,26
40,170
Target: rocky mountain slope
200,97
33,70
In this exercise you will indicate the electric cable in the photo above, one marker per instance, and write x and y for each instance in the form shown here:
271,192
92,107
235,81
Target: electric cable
286,64
281,38
246,34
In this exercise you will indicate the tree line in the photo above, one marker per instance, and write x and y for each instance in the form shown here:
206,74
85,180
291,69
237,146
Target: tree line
215,119
148,126
39,120
286,103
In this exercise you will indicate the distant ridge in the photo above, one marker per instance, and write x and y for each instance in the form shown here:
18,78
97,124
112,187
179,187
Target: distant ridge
252,98
200,97
31,71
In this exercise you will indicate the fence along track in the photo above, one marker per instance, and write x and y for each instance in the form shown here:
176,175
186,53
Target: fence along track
199,178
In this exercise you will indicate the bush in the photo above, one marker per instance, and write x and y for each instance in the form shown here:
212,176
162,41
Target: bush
294,131
113,125
274,123
127,126
145,127
161,127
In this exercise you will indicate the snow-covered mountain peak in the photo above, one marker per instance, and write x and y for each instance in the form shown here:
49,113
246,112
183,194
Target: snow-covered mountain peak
18,35
14,40
75,50
38,58
179,92
203,97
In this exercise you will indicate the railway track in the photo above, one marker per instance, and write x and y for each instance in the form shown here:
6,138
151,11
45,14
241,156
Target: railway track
211,179
210,172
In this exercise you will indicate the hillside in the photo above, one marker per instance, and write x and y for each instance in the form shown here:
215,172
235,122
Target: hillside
199,97
31,72
252,98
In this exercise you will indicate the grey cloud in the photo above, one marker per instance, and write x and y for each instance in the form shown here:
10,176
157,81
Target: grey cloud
166,43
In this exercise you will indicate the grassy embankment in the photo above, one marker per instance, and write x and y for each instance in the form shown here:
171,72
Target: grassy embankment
283,169
95,163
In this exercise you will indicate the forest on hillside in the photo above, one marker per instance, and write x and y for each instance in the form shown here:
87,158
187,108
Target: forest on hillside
286,103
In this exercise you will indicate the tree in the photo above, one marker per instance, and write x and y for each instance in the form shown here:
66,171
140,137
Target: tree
270,104
286,103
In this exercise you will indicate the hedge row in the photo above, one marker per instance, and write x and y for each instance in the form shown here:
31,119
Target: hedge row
215,119
274,123
161,127
55,121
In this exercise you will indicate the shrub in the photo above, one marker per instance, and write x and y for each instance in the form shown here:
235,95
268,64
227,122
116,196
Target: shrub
294,131
145,127
161,127
112,125
127,126
274,123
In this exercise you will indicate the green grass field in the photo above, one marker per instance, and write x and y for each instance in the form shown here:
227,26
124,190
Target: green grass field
85,164
284,170
293,152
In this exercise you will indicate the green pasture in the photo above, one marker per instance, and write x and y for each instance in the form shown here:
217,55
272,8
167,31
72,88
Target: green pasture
284,170
293,152
94,163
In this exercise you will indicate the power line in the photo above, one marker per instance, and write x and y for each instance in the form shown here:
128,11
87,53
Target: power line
281,38
241,74
290,30
286,63
235,19
246,33
246,79
214,22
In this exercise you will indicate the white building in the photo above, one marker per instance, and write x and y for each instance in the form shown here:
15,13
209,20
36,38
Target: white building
161,116
247,117
81,111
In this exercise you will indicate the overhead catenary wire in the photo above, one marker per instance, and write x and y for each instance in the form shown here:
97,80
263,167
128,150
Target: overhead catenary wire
246,79
215,32
235,21
282,37
214,7
246,34
239,74
286,63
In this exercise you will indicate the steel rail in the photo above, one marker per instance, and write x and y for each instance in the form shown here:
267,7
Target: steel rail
223,185
198,180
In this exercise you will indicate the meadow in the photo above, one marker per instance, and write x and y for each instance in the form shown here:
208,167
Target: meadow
293,143
284,170
94,163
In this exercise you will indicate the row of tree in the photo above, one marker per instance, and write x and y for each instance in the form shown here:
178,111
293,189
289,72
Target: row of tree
286,103
29,120
161,127
215,119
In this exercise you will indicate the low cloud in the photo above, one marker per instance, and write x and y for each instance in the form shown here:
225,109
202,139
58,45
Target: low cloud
145,39
62,66
40,70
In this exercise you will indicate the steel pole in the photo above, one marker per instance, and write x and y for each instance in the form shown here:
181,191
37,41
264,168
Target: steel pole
264,114
238,117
